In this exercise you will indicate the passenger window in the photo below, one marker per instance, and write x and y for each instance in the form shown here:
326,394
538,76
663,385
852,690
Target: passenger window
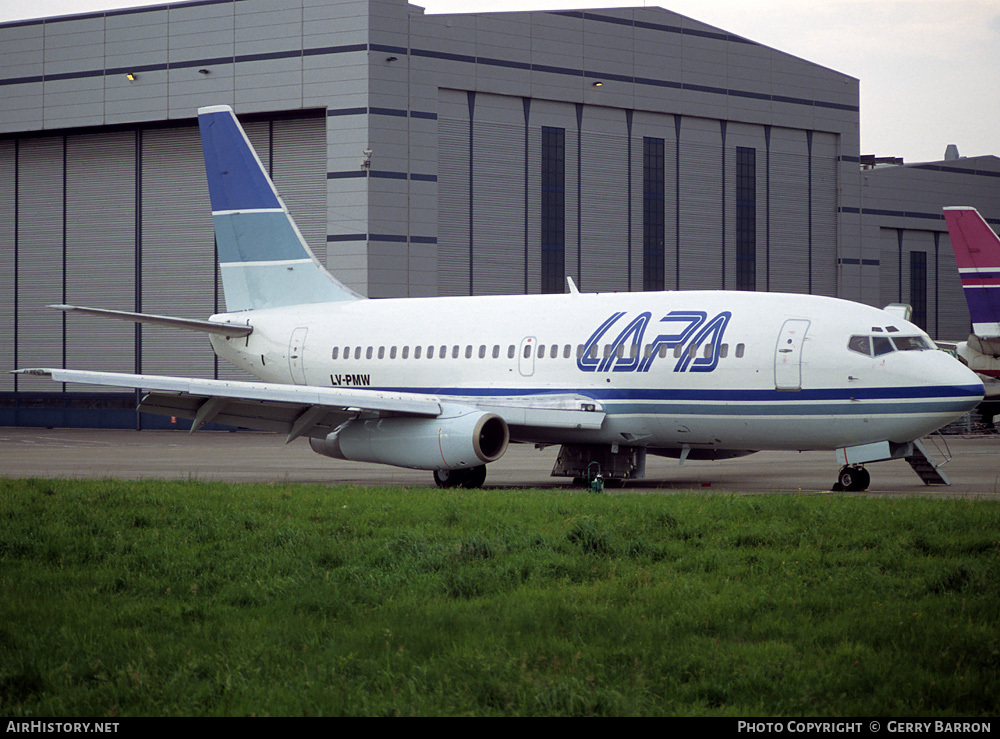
678,350
663,351
368,353
860,344
381,352
693,351
406,352
527,351
740,348
482,351
416,352
496,351
336,351
443,354
357,352
430,352
566,351
454,352
882,345
511,350
709,349
541,351
392,352
468,351
723,351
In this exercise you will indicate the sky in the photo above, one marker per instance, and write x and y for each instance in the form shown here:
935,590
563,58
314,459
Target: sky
929,69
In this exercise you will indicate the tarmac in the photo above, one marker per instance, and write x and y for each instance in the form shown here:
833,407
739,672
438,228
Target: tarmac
974,468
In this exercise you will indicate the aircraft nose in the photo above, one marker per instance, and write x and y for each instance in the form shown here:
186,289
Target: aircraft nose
964,384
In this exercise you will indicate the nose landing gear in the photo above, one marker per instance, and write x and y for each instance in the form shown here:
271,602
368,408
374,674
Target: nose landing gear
852,478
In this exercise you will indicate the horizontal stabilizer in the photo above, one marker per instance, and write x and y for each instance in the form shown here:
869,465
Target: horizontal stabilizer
229,330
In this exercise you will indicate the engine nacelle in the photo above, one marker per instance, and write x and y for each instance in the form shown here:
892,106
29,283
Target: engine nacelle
466,438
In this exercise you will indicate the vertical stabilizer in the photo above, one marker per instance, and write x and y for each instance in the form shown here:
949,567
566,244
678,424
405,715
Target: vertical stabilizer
264,261
977,251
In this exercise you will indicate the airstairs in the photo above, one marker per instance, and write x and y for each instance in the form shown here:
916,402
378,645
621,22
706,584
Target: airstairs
925,466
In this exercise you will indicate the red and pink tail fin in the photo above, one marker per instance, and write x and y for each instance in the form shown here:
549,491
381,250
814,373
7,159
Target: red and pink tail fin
977,251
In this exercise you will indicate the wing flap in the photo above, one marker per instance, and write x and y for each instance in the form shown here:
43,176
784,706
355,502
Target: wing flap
558,411
282,418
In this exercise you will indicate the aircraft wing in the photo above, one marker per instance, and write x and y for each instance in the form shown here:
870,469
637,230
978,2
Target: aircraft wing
306,410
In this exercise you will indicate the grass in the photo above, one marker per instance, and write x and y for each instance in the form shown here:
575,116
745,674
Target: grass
173,598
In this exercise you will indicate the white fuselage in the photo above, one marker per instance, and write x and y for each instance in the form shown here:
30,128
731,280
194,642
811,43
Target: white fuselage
710,370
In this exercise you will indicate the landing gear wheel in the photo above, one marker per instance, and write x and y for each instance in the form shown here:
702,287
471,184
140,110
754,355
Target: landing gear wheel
853,479
475,477
449,478
468,478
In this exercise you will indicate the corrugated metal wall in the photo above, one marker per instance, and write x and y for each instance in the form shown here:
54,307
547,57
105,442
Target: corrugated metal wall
8,188
498,212
796,187
100,249
789,234
454,198
40,237
604,201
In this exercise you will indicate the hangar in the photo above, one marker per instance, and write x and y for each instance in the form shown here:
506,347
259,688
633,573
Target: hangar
630,149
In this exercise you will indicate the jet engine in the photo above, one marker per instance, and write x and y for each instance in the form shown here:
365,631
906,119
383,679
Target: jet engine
467,438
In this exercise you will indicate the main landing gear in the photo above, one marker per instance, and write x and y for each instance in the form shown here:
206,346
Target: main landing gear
470,478
852,478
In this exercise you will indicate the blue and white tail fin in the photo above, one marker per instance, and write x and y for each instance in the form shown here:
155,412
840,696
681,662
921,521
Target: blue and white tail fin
977,252
264,261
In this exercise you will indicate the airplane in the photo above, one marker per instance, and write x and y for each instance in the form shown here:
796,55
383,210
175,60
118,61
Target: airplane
977,252
446,383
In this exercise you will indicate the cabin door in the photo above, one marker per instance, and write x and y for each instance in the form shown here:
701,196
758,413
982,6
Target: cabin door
788,354
296,348
526,356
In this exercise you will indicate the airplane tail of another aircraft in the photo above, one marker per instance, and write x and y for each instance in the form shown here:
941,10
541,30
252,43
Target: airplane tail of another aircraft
264,261
977,251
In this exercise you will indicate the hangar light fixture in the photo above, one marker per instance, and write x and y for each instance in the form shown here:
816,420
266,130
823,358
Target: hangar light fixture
203,71
130,76
598,84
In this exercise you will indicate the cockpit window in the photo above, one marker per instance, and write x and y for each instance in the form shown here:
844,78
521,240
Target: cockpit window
876,346
910,343
861,345
882,345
